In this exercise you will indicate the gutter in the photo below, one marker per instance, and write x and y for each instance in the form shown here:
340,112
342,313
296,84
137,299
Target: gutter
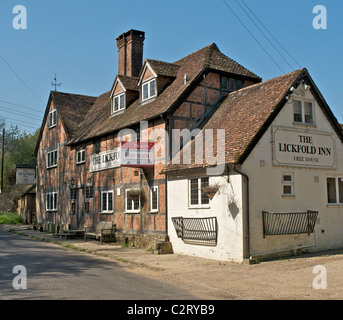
247,212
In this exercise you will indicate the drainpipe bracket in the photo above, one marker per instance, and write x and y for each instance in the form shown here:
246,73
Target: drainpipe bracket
249,261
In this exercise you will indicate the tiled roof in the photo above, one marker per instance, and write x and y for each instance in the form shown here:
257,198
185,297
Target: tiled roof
130,83
242,115
99,121
214,59
164,69
72,109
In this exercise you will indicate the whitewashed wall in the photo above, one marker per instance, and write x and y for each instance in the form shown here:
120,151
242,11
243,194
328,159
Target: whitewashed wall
265,183
310,190
226,206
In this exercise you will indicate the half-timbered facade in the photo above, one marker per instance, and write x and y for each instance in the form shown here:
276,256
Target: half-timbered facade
81,178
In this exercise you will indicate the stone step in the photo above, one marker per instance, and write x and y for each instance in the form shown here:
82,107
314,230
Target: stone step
69,234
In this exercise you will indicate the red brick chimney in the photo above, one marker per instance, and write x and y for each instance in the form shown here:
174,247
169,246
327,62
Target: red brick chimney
130,50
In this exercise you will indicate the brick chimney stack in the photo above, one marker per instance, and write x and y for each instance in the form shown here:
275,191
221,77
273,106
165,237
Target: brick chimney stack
130,51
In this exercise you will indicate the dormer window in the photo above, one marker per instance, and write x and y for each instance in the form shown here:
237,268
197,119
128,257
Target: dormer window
118,103
149,89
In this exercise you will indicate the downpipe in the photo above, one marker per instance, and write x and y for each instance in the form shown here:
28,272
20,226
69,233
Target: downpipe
247,212
247,235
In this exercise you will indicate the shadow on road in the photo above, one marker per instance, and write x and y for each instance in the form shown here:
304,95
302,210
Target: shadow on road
54,272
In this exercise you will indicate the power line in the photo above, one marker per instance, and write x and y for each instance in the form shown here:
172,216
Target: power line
253,36
264,34
272,35
18,113
18,122
8,122
20,106
23,125
25,84
26,129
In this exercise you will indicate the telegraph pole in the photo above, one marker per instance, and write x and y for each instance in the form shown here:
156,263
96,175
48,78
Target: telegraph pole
2,160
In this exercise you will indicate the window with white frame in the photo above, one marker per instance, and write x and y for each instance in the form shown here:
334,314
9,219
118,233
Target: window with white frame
287,184
52,118
132,205
149,89
154,199
51,159
303,112
196,196
107,201
51,201
334,190
81,156
118,103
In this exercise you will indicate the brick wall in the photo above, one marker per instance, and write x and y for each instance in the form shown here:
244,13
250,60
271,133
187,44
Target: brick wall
70,175
197,103
52,179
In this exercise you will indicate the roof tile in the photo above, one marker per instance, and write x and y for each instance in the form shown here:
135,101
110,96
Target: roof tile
99,121
242,114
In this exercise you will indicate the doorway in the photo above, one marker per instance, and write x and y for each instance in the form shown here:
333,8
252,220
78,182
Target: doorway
80,210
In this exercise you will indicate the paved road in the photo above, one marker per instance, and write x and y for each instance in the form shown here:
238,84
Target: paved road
57,273
54,272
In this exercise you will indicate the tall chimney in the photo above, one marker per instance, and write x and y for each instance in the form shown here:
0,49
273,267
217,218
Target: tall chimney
130,51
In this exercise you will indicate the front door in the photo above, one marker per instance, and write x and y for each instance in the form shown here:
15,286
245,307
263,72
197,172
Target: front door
80,210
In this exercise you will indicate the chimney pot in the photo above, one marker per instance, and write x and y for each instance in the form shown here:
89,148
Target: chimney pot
130,52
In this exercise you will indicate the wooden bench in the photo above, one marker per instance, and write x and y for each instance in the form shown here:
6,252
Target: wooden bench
102,229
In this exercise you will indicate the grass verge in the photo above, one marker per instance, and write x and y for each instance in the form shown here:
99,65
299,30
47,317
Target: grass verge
10,218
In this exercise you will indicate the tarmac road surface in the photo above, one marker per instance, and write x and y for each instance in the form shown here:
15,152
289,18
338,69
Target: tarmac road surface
54,272
99,272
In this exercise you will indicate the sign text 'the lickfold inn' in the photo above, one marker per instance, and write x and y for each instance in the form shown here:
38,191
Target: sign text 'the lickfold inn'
303,148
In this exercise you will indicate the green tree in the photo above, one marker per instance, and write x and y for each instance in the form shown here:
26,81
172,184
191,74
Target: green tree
19,149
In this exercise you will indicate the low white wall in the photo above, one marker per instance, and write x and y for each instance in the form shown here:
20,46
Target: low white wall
226,206
310,190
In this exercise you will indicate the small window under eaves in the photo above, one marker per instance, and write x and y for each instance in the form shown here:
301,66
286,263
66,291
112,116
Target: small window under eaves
230,84
118,103
149,89
52,121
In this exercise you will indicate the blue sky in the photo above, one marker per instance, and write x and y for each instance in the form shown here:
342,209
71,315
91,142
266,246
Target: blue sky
76,40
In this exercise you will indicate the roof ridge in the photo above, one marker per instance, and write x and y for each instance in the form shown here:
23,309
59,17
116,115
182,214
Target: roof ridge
211,46
155,60
239,64
72,94
125,76
208,57
266,81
